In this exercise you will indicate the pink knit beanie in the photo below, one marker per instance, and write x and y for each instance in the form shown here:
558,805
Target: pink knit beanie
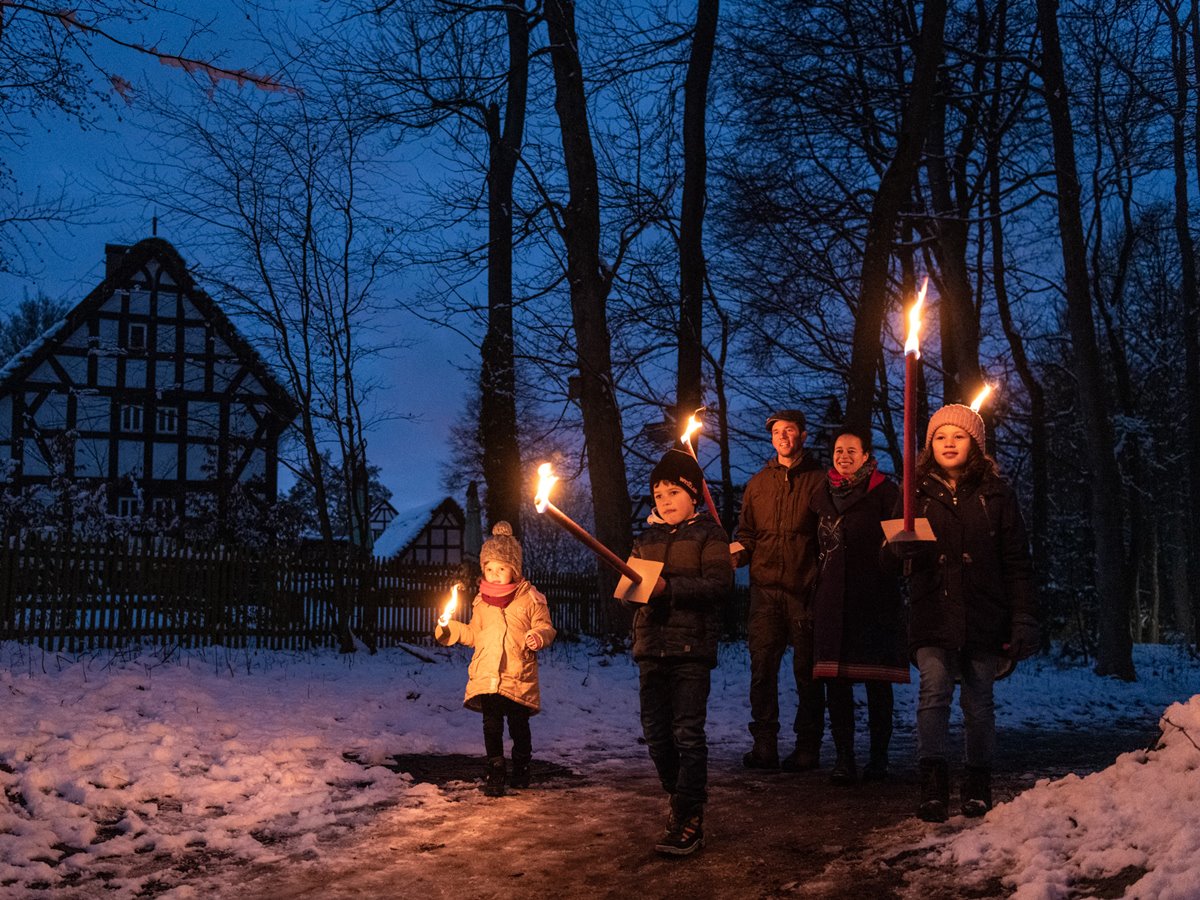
960,416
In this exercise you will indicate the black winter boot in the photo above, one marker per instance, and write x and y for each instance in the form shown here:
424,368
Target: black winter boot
802,759
520,768
685,832
764,755
935,790
876,768
496,772
845,770
977,791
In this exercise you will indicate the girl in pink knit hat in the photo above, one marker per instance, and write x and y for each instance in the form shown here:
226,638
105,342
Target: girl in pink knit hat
972,606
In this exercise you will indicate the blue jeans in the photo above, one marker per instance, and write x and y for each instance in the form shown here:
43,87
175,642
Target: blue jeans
977,671
674,695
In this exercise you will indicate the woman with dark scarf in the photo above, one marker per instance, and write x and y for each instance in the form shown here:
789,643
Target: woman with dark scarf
858,613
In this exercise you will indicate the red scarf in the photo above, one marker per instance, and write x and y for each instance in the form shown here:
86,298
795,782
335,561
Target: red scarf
841,485
499,594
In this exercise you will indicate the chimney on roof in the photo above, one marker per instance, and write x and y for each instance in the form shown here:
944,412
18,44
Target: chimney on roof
113,254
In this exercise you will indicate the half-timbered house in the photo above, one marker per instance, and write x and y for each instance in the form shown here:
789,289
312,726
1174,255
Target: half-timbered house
145,386
426,535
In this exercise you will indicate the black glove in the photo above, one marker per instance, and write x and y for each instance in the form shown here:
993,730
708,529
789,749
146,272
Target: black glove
1026,637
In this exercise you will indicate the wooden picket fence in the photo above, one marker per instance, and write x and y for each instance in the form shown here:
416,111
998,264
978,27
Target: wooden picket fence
76,596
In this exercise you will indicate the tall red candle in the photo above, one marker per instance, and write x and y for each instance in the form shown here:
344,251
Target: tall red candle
912,356
910,439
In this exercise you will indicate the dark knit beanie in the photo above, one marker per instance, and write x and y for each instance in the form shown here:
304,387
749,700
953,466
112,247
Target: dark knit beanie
679,468
502,547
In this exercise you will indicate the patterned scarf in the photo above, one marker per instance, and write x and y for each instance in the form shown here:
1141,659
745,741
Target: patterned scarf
843,485
499,594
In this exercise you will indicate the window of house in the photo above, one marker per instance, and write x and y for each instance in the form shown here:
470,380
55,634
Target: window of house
137,336
131,418
168,420
127,507
164,507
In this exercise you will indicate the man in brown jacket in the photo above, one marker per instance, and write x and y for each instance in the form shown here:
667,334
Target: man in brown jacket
777,534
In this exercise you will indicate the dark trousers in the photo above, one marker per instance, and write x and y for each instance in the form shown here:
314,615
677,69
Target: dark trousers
779,620
674,695
495,709
880,704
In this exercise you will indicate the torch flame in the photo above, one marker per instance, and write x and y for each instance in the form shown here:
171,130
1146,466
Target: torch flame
451,605
980,397
913,343
693,425
546,479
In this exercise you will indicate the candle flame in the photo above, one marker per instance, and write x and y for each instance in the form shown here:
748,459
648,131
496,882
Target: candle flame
980,397
913,343
546,479
693,425
448,609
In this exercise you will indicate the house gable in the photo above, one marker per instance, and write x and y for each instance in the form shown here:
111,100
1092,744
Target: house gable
145,379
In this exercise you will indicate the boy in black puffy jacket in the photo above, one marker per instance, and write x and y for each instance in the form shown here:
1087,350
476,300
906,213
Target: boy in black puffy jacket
675,642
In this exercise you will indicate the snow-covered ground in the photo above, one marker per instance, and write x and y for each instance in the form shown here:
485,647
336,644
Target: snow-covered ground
110,762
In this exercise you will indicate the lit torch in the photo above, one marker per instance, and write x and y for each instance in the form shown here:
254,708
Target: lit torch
449,608
912,355
694,425
980,397
541,502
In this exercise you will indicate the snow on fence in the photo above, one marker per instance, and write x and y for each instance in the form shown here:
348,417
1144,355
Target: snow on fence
76,596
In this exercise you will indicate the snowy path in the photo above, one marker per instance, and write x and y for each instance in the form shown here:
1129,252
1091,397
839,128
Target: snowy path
230,774
769,835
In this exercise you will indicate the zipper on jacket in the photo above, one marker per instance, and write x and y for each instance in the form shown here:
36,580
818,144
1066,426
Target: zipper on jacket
987,518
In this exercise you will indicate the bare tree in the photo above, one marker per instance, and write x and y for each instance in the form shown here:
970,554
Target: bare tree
692,268
289,192
1112,581
894,187
589,279
460,70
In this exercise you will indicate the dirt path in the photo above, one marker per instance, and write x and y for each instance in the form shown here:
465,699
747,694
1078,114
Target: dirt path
768,835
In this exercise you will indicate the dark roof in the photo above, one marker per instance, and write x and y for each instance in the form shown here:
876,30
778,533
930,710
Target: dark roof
119,274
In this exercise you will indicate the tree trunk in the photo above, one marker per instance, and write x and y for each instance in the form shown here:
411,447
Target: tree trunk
497,375
1033,387
1115,651
1191,310
894,188
689,390
589,280
959,332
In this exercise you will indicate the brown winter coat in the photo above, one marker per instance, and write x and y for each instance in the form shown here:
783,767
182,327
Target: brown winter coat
502,664
778,527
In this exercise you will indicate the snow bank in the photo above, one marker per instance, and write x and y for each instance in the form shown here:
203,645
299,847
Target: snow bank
1136,820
